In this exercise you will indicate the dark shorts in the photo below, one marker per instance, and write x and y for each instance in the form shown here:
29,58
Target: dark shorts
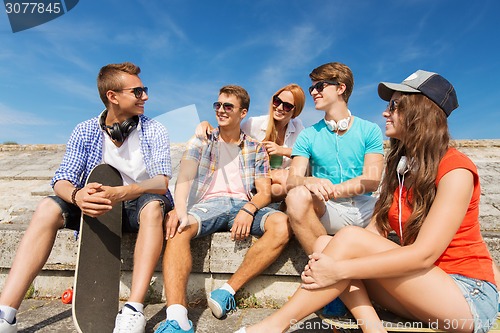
131,211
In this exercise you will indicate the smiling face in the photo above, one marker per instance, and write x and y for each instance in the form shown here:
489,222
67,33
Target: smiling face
124,100
279,114
229,119
326,95
393,119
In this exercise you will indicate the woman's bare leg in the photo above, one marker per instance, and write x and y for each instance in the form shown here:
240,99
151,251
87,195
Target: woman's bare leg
430,295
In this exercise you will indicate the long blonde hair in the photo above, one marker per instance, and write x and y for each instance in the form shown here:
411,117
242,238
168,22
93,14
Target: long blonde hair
425,140
299,99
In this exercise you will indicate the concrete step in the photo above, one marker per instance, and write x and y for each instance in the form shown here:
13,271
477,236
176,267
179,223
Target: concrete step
215,258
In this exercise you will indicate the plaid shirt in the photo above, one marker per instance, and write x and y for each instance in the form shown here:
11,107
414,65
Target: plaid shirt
84,151
254,163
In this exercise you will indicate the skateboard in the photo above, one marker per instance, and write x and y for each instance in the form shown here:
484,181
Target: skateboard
97,276
392,323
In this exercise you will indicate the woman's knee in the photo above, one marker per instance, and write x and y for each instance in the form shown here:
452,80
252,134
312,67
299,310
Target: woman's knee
349,234
321,243
345,243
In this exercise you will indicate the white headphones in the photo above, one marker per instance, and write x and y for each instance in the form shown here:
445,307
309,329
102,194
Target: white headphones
342,125
401,169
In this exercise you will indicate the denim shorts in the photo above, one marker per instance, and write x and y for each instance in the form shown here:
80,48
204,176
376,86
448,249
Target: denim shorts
217,215
482,297
131,211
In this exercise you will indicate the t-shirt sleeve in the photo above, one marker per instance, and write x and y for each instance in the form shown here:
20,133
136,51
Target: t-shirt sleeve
301,147
374,140
453,159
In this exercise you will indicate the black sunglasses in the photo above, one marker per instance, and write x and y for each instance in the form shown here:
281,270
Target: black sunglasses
287,107
138,91
227,107
392,106
321,85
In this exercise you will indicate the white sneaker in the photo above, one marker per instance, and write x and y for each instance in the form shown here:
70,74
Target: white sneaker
241,330
5,327
129,320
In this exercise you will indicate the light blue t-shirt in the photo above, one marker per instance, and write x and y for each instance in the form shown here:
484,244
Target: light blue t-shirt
338,158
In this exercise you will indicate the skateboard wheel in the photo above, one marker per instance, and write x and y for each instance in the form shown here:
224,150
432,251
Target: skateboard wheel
67,296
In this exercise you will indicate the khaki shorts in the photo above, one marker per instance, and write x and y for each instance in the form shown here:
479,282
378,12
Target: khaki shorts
347,211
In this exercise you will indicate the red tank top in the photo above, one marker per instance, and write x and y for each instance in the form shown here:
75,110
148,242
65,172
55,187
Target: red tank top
467,253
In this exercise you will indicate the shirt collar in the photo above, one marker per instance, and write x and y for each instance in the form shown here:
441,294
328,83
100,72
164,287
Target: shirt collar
216,132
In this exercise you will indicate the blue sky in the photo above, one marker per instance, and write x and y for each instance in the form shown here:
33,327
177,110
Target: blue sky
188,49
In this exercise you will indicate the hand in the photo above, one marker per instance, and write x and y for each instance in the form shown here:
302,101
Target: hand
203,130
184,221
272,148
241,226
93,201
171,222
320,272
322,188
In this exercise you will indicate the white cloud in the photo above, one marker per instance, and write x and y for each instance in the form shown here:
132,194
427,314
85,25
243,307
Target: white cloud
12,117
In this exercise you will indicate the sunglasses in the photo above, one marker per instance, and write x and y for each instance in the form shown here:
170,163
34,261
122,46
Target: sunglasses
321,85
392,106
138,91
287,107
227,107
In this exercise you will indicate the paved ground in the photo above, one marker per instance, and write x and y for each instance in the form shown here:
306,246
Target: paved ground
37,315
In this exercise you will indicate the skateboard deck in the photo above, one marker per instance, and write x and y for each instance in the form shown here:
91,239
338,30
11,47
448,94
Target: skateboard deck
97,275
392,323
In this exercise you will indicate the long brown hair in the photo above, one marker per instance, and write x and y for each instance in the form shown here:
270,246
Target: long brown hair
425,140
299,99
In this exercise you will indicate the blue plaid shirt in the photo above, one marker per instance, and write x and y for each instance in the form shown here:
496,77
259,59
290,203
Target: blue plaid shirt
84,151
254,163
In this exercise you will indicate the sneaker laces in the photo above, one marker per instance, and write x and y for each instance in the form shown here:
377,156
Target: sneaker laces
173,323
167,325
128,319
230,303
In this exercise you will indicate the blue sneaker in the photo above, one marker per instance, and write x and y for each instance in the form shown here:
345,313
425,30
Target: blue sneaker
171,326
335,308
221,302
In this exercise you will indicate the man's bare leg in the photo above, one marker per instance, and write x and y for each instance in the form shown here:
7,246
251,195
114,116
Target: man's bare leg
303,210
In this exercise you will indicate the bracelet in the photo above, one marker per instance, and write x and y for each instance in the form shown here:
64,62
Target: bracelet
257,208
247,211
73,196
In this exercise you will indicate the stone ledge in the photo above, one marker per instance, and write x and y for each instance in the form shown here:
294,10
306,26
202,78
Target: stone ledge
215,258
215,254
